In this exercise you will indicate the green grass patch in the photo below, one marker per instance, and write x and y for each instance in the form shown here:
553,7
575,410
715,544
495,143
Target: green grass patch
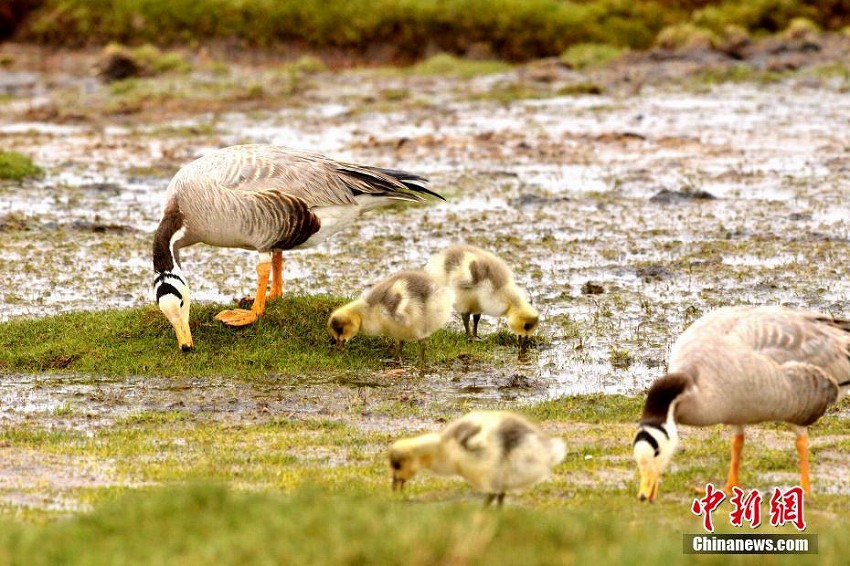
765,16
445,64
512,29
204,524
590,55
16,166
597,408
289,343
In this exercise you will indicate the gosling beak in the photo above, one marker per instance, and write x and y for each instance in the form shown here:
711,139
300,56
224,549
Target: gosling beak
184,336
398,484
648,486
340,342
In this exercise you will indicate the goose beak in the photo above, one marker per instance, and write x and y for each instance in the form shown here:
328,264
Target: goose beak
184,336
648,486
177,313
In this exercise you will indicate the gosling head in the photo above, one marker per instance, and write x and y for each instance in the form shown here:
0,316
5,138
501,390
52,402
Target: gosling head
653,447
409,455
523,321
172,295
343,325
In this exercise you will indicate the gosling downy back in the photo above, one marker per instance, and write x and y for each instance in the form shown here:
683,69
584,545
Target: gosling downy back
484,284
410,305
495,451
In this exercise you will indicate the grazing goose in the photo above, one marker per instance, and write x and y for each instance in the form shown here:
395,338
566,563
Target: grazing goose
484,284
264,198
495,451
740,366
410,305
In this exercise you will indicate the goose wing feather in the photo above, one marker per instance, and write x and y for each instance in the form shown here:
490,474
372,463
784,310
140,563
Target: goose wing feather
760,364
313,178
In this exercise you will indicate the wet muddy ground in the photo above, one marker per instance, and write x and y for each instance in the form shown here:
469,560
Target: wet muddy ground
626,214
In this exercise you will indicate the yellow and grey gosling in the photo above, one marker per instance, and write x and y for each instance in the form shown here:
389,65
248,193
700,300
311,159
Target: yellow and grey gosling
740,366
265,198
495,451
484,284
410,305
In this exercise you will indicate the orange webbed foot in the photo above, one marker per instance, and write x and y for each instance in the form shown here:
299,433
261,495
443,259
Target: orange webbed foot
237,317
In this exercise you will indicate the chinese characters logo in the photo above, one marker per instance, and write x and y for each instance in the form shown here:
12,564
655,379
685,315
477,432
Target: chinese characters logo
785,507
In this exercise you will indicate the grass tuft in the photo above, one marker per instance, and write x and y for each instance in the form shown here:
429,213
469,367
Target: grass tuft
16,166
203,524
444,64
590,55
291,341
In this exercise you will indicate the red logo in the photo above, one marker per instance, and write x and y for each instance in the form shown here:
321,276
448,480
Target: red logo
787,508
707,505
745,508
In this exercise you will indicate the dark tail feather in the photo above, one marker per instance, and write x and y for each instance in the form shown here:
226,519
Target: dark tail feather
413,182
842,324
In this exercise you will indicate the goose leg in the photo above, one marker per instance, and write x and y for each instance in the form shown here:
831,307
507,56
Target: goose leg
490,498
735,463
277,275
242,317
422,353
500,499
475,319
398,350
803,451
465,317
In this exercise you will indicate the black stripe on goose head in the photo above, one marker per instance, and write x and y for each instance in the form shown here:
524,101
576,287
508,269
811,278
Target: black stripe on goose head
657,426
168,289
644,435
168,275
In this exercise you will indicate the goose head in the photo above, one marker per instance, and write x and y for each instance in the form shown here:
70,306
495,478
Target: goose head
344,324
652,448
523,321
409,455
172,296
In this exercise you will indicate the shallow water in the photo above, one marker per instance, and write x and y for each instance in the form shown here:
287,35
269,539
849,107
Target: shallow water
560,187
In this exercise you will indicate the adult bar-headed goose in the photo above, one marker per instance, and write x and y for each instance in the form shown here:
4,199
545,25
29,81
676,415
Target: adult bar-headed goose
495,451
740,366
264,198
410,305
484,284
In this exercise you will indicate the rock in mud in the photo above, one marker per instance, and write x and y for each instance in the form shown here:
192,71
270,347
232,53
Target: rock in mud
653,273
529,199
592,288
118,65
666,196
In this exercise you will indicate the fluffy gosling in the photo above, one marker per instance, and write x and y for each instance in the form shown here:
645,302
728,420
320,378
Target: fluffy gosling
495,451
484,284
408,306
